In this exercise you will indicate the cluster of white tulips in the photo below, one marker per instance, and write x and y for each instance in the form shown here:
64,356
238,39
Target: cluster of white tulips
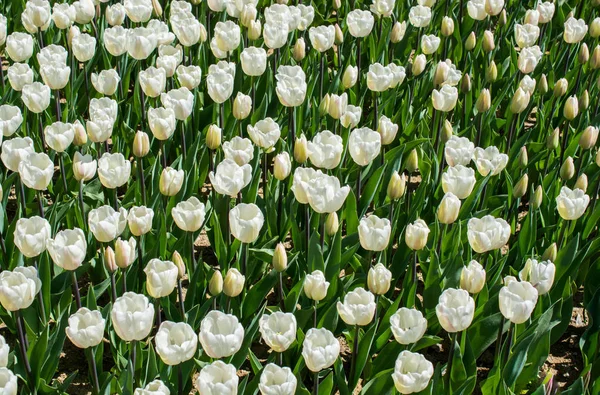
194,193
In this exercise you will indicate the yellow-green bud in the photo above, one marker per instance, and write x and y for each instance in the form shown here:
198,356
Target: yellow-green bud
582,182
523,158
465,84
446,131
584,100
488,41
553,140
567,169
280,259
396,186
491,72
584,53
588,137
571,108
543,85
538,197
332,224
484,101
419,64
412,163
141,144
213,137
560,87
301,149
550,253
109,260
447,26
521,187
471,41
215,286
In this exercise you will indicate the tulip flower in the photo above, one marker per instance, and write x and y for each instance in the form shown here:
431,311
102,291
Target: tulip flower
360,23
282,166
187,28
472,277
233,283
455,310
419,16
265,133
575,30
459,180
19,75
19,46
189,76
59,135
459,151
487,233
230,178
68,248
325,150
217,378
364,145
246,221
316,286
412,371
526,35
529,59
19,287
86,328
379,279
132,316
358,307
408,325
320,349
176,342
379,78
444,99
278,330
8,382
36,171
322,192
517,299
489,160
155,387
571,204
416,235
240,150
84,167
539,274
36,97
107,224
351,117
291,85
221,335
113,170
387,130
374,233
449,209
189,214
275,380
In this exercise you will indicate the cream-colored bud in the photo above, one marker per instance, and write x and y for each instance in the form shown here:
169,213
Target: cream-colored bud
567,170
332,224
280,259
215,286
519,101
584,53
339,35
419,64
158,10
397,33
538,197
299,51
484,101
204,33
447,26
412,163
571,108
523,158
255,29
324,106
502,18
595,59
337,4
141,144
447,131
441,73
213,137
588,137
471,41
242,106
582,182
553,140
80,134
521,187
550,253
301,149
560,87
595,28
584,100
396,186
491,72
488,41
282,166
350,77
598,158
542,85
178,261
109,260
465,83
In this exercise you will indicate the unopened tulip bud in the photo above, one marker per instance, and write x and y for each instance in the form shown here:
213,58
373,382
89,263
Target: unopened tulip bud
419,64
521,187
412,163
582,182
595,59
584,53
255,29
595,28
447,26
80,134
523,158
233,283
213,137
178,261
465,84
396,186
560,87
158,10
332,224
491,72
441,73
567,170
215,286
550,253
73,32
553,140
446,131
543,84
571,108
350,77
520,101
598,158
141,144
584,100
588,137
109,260
471,41
488,41
282,166
324,106
379,279
204,34
449,209
397,33
538,196
242,106
301,149
280,259
299,51
502,19
339,35
484,101
337,4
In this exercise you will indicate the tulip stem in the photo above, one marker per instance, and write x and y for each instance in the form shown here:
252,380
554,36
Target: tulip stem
1,73
113,287
307,226
316,383
23,343
281,294
23,202
511,131
280,357
358,183
192,245
292,127
565,143
499,339
414,275
228,305
322,231
76,289
244,253
142,181
124,277
94,369
264,177
354,354
180,380
133,361
163,154
41,129
450,358
181,304
57,103
183,143
81,206
376,111
61,164
509,341
41,204
158,318
322,54
358,65
315,314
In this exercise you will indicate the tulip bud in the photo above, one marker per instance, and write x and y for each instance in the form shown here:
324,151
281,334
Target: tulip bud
213,137
571,108
412,163
379,279
484,101
1,193
158,11
446,131
598,158
584,100
332,224
543,85
465,84
419,64
255,29
234,283
588,138
538,195
109,260
560,87
449,208
397,33
520,101
339,35
584,53
550,253
471,41
141,144
249,13
491,72
80,134
553,140
280,259
324,106
282,166
242,106
73,32
502,19
350,77
178,261
488,41
582,182
416,235
301,149
299,51
595,59
337,4
567,170
396,186
215,286
447,26
523,158
521,187
441,73
595,28
204,34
